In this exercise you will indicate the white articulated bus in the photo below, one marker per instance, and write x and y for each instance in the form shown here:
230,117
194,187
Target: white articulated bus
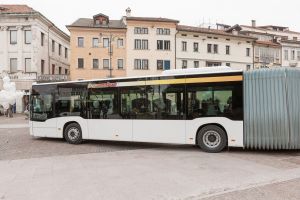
196,106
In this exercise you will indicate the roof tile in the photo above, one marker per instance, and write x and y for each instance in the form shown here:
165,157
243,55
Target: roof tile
5,8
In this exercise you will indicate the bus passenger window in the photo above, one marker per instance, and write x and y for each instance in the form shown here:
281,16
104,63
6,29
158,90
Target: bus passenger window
104,103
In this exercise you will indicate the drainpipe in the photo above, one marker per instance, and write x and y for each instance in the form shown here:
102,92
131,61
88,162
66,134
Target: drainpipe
49,66
253,54
176,48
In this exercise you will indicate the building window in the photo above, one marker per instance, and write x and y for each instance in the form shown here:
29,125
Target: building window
140,44
184,64
120,63
298,55
248,67
42,66
248,52
53,46
13,65
183,44
160,64
196,46
213,64
120,43
66,71
66,52
167,45
227,49
80,63
286,55
216,48
80,42
42,39
27,64
160,44
141,64
28,36
163,64
95,64
140,30
105,63
228,64
105,42
13,37
196,64
163,31
293,55
95,42
59,70
137,44
53,68
59,49
209,48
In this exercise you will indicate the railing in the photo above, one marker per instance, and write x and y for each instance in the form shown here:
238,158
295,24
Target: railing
52,78
19,75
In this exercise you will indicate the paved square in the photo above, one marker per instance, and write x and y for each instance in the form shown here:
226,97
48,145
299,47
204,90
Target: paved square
40,168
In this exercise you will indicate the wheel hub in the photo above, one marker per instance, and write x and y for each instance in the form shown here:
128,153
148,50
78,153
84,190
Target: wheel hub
211,139
73,133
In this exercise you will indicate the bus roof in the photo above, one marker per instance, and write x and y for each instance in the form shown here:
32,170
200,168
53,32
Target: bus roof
173,72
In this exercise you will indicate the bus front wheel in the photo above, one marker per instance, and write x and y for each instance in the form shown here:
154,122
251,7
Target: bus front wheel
212,139
73,134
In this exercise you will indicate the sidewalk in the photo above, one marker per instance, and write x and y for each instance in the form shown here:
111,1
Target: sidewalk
140,174
18,121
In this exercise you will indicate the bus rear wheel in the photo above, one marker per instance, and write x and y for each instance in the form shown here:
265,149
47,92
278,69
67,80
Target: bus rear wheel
212,139
73,134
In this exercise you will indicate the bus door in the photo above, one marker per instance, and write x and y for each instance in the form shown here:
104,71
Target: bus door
105,120
159,114
42,113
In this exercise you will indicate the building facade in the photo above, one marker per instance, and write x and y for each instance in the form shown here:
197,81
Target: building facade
98,48
34,49
206,47
276,45
151,44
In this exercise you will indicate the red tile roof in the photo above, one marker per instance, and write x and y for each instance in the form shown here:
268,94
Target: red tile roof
263,28
4,8
152,19
267,43
210,30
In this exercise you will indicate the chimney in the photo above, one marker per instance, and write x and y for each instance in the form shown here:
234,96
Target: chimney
253,23
128,12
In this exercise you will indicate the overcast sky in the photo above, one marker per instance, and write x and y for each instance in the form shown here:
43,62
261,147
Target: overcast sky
188,12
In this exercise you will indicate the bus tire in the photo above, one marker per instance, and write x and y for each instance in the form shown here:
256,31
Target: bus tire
73,133
211,139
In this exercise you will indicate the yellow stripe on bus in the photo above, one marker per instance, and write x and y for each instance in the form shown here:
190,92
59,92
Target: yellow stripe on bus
196,80
175,81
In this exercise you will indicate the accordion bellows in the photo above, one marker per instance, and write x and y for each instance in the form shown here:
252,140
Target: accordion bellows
272,109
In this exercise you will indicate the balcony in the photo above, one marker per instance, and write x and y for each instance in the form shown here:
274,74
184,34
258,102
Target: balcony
293,63
46,78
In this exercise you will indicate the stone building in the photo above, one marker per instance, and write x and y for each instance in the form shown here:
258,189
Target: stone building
33,49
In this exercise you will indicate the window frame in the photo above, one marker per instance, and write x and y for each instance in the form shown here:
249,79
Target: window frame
95,61
15,41
80,42
26,37
95,45
80,63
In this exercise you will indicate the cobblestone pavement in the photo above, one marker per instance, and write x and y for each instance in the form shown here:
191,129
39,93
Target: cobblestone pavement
168,171
17,119
18,144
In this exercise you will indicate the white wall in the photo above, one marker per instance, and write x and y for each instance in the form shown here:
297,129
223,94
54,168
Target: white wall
291,62
237,57
152,54
35,51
